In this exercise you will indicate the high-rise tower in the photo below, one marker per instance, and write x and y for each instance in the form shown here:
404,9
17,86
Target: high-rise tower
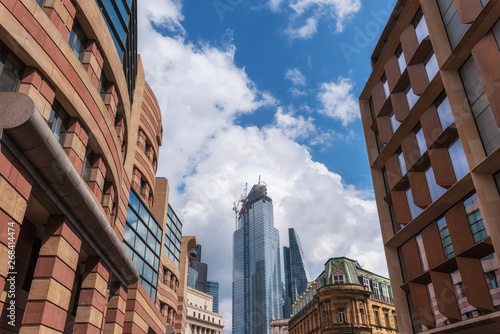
256,265
295,271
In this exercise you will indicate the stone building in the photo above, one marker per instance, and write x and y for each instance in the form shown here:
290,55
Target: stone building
345,298
431,119
200,316
97,248
279,326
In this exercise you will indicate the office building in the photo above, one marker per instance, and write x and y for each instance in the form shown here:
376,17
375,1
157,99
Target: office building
256,265
295,271
201,318
97,247
431,121
200,268
345,298
192,278
213,290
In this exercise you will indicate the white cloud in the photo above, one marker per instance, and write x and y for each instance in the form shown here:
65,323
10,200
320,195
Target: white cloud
295,76
275,5
306,31
338,101
208,158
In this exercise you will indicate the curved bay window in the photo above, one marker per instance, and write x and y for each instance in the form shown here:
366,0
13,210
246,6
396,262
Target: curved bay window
142,240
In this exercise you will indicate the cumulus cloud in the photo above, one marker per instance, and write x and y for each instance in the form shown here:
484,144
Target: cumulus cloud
338,101
208,157
295,76
305,14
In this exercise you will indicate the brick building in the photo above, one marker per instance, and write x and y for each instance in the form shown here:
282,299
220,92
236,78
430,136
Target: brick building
345,298
97,247
431,121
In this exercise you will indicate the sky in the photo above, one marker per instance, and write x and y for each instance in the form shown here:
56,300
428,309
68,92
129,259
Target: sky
266,88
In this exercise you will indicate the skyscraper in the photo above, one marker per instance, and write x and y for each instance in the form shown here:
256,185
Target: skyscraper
256,265
201,270
431,118
213,290
295,271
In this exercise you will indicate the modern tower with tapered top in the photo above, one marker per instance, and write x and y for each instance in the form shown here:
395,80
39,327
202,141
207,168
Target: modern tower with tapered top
256,265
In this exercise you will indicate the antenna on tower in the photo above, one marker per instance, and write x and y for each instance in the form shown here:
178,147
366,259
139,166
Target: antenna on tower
236,205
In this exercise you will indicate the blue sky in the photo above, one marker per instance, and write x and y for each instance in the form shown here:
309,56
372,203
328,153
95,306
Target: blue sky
266,88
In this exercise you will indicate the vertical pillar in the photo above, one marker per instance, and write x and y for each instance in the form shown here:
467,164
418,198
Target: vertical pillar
136,179
62,14
115,314
38,88
93,298
108,199
92,62
119,127
111,101
75,143
97,176
50,293
141,140
167,278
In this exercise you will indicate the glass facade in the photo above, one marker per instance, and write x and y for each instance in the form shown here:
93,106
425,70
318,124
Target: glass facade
444,112
257,291
77,39
296,273
192,278
173,233
434,190
411,98
394,123
414,210
58,122
142,241
445,238
475,219
213,290
458,159
431,65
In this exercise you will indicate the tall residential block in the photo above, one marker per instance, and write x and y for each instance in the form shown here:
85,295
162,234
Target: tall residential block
431,117
257,291
97,247
295,271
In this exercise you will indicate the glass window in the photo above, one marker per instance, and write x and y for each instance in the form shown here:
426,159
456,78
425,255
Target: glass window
402,163
434,190
366,282
11,69
410,97
342,317
103,85
475,219
376,318
386,87
493,279
420,27
77,40
421,253
338,279
40,2
58,122
422,145
88,160
394,123
414,210
145,249
444,112
431,65
401,59
376,292
458,160
173,235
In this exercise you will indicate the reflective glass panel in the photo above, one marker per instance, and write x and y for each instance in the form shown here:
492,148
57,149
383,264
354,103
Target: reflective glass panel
458,159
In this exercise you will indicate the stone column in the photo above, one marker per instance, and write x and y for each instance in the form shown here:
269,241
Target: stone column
93,297
50,292
97,176
167,278
115,315
34,84
62,14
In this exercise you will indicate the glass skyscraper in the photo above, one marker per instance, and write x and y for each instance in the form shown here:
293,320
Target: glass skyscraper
213,290
256,265
295,271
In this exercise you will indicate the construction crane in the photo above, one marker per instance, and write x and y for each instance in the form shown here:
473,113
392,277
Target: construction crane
236,205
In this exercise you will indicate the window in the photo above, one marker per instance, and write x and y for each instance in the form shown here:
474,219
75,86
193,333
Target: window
386,87
421,253
58,122
444,112
342,317
338,279
40,3
142,241
434,190
445,238
402,164
88,161
419,134
361,319
401,59
77,40
173,236
411,98
493,279
414,210
458,160
387,322
431,65
11,69
475,219
103,85
385,293
376,317
376,291
394,123
420,26
366,282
